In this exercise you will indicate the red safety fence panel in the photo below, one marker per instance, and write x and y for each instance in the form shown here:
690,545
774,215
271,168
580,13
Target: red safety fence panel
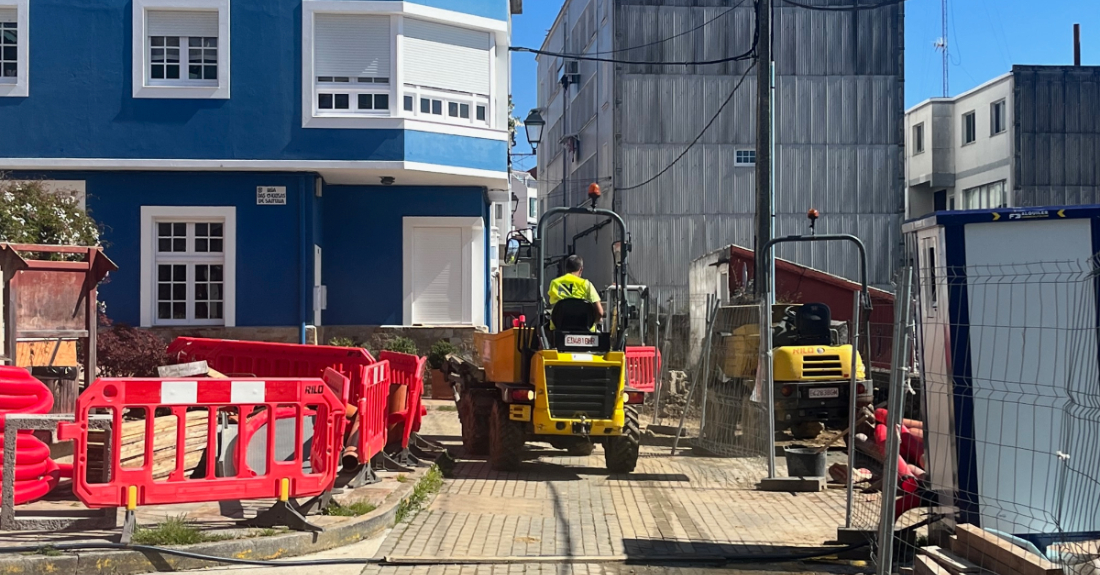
643,363
264,359
135,484
407,370
372,411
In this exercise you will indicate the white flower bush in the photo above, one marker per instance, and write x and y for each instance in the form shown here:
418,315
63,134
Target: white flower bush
32,214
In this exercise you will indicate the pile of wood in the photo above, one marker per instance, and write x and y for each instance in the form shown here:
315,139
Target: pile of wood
131,450
973,550
132,447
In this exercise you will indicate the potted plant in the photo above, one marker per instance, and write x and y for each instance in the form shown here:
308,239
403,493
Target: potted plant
441,388
399,393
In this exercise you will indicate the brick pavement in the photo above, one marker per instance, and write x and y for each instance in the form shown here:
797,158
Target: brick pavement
558,505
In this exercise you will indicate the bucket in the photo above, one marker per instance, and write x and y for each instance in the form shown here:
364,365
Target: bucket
804,462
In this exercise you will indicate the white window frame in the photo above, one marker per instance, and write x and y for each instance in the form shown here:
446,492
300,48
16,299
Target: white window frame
150,216
398,118
473,260
737,162
918,143
532,209
20,88
970,114
1002,119
183,89
981,197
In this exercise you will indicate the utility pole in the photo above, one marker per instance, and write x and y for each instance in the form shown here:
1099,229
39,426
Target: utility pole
763,144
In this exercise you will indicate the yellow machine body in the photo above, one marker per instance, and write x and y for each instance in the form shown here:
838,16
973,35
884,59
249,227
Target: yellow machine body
500,354
811,363
554,376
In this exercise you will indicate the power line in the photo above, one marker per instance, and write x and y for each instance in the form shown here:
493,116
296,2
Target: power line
698,137
847,8
751,53
663,40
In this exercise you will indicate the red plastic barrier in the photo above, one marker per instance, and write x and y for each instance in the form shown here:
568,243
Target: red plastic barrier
35,473
133,486
641,369
263,359
407,370
372,411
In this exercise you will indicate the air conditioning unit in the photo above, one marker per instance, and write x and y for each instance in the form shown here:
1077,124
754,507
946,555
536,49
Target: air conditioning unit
571,73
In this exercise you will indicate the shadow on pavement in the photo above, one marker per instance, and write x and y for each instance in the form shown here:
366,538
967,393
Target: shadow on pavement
754,557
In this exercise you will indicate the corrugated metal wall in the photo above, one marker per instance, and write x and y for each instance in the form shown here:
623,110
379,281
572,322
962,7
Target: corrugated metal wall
839,114
1057,132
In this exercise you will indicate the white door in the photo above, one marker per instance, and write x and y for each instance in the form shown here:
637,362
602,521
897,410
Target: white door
438,282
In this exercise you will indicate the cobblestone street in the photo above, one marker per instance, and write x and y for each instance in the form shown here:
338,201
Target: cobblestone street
562,506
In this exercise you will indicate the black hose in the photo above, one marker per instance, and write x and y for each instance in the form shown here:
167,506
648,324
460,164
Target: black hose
785,558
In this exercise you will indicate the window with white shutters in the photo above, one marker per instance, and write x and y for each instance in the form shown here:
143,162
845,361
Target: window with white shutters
447,73
446,57
13,47
181,51
182,47
351,64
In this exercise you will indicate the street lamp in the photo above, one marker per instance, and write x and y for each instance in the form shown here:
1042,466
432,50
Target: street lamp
534,125
515,203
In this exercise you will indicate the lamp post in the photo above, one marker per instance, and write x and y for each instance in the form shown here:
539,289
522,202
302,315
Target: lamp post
534,125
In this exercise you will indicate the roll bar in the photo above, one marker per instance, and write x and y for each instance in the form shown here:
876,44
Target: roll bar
618,338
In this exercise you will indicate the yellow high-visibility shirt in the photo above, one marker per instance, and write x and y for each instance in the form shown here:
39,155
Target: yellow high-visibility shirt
570,286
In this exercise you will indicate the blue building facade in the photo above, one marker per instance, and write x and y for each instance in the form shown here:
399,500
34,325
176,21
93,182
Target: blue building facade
270,163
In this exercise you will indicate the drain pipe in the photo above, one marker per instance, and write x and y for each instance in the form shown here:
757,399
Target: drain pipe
303,275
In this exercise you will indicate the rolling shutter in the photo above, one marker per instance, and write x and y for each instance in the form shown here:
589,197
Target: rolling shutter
351,45
437,272
446,57
8,14
181,23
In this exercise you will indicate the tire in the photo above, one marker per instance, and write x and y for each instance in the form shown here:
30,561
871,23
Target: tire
506,439
621,452
581,448
475,426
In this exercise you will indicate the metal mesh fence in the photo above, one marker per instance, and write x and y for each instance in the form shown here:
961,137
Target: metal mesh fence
997,449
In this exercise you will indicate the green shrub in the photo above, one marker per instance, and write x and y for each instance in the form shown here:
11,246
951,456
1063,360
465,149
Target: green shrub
401,344
440,350
343,342
31,214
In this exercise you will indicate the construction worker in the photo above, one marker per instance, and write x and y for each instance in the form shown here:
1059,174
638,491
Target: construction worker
573,286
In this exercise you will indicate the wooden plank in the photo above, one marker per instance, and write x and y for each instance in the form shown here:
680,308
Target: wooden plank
986,564
926,566
949,560
45,353
215,374
1017,559
191,369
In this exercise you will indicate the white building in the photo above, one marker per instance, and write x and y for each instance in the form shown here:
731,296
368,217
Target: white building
1026,138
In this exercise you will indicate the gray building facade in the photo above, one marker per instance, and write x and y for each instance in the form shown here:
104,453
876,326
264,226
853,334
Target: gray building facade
839,126
1030,137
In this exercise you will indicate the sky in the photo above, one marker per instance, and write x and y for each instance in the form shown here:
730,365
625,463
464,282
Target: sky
986,37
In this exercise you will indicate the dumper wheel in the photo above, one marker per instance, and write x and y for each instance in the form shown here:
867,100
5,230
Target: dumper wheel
475,426
621,452
506,439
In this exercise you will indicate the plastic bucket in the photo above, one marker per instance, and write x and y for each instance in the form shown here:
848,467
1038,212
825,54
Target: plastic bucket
804,462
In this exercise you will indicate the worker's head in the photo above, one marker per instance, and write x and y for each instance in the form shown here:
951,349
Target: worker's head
574,265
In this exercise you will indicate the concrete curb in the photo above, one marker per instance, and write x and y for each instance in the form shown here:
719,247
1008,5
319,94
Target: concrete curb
260,548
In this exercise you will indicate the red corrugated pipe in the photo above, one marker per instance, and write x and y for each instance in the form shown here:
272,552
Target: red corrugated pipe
35,473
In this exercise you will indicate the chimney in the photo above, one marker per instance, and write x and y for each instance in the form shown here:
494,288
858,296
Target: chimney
1076,44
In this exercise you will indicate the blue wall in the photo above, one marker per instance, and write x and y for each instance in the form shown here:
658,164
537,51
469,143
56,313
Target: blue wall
268,279
81,104
362,252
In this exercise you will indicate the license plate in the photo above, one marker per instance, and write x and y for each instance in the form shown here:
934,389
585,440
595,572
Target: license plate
581,341
824,392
